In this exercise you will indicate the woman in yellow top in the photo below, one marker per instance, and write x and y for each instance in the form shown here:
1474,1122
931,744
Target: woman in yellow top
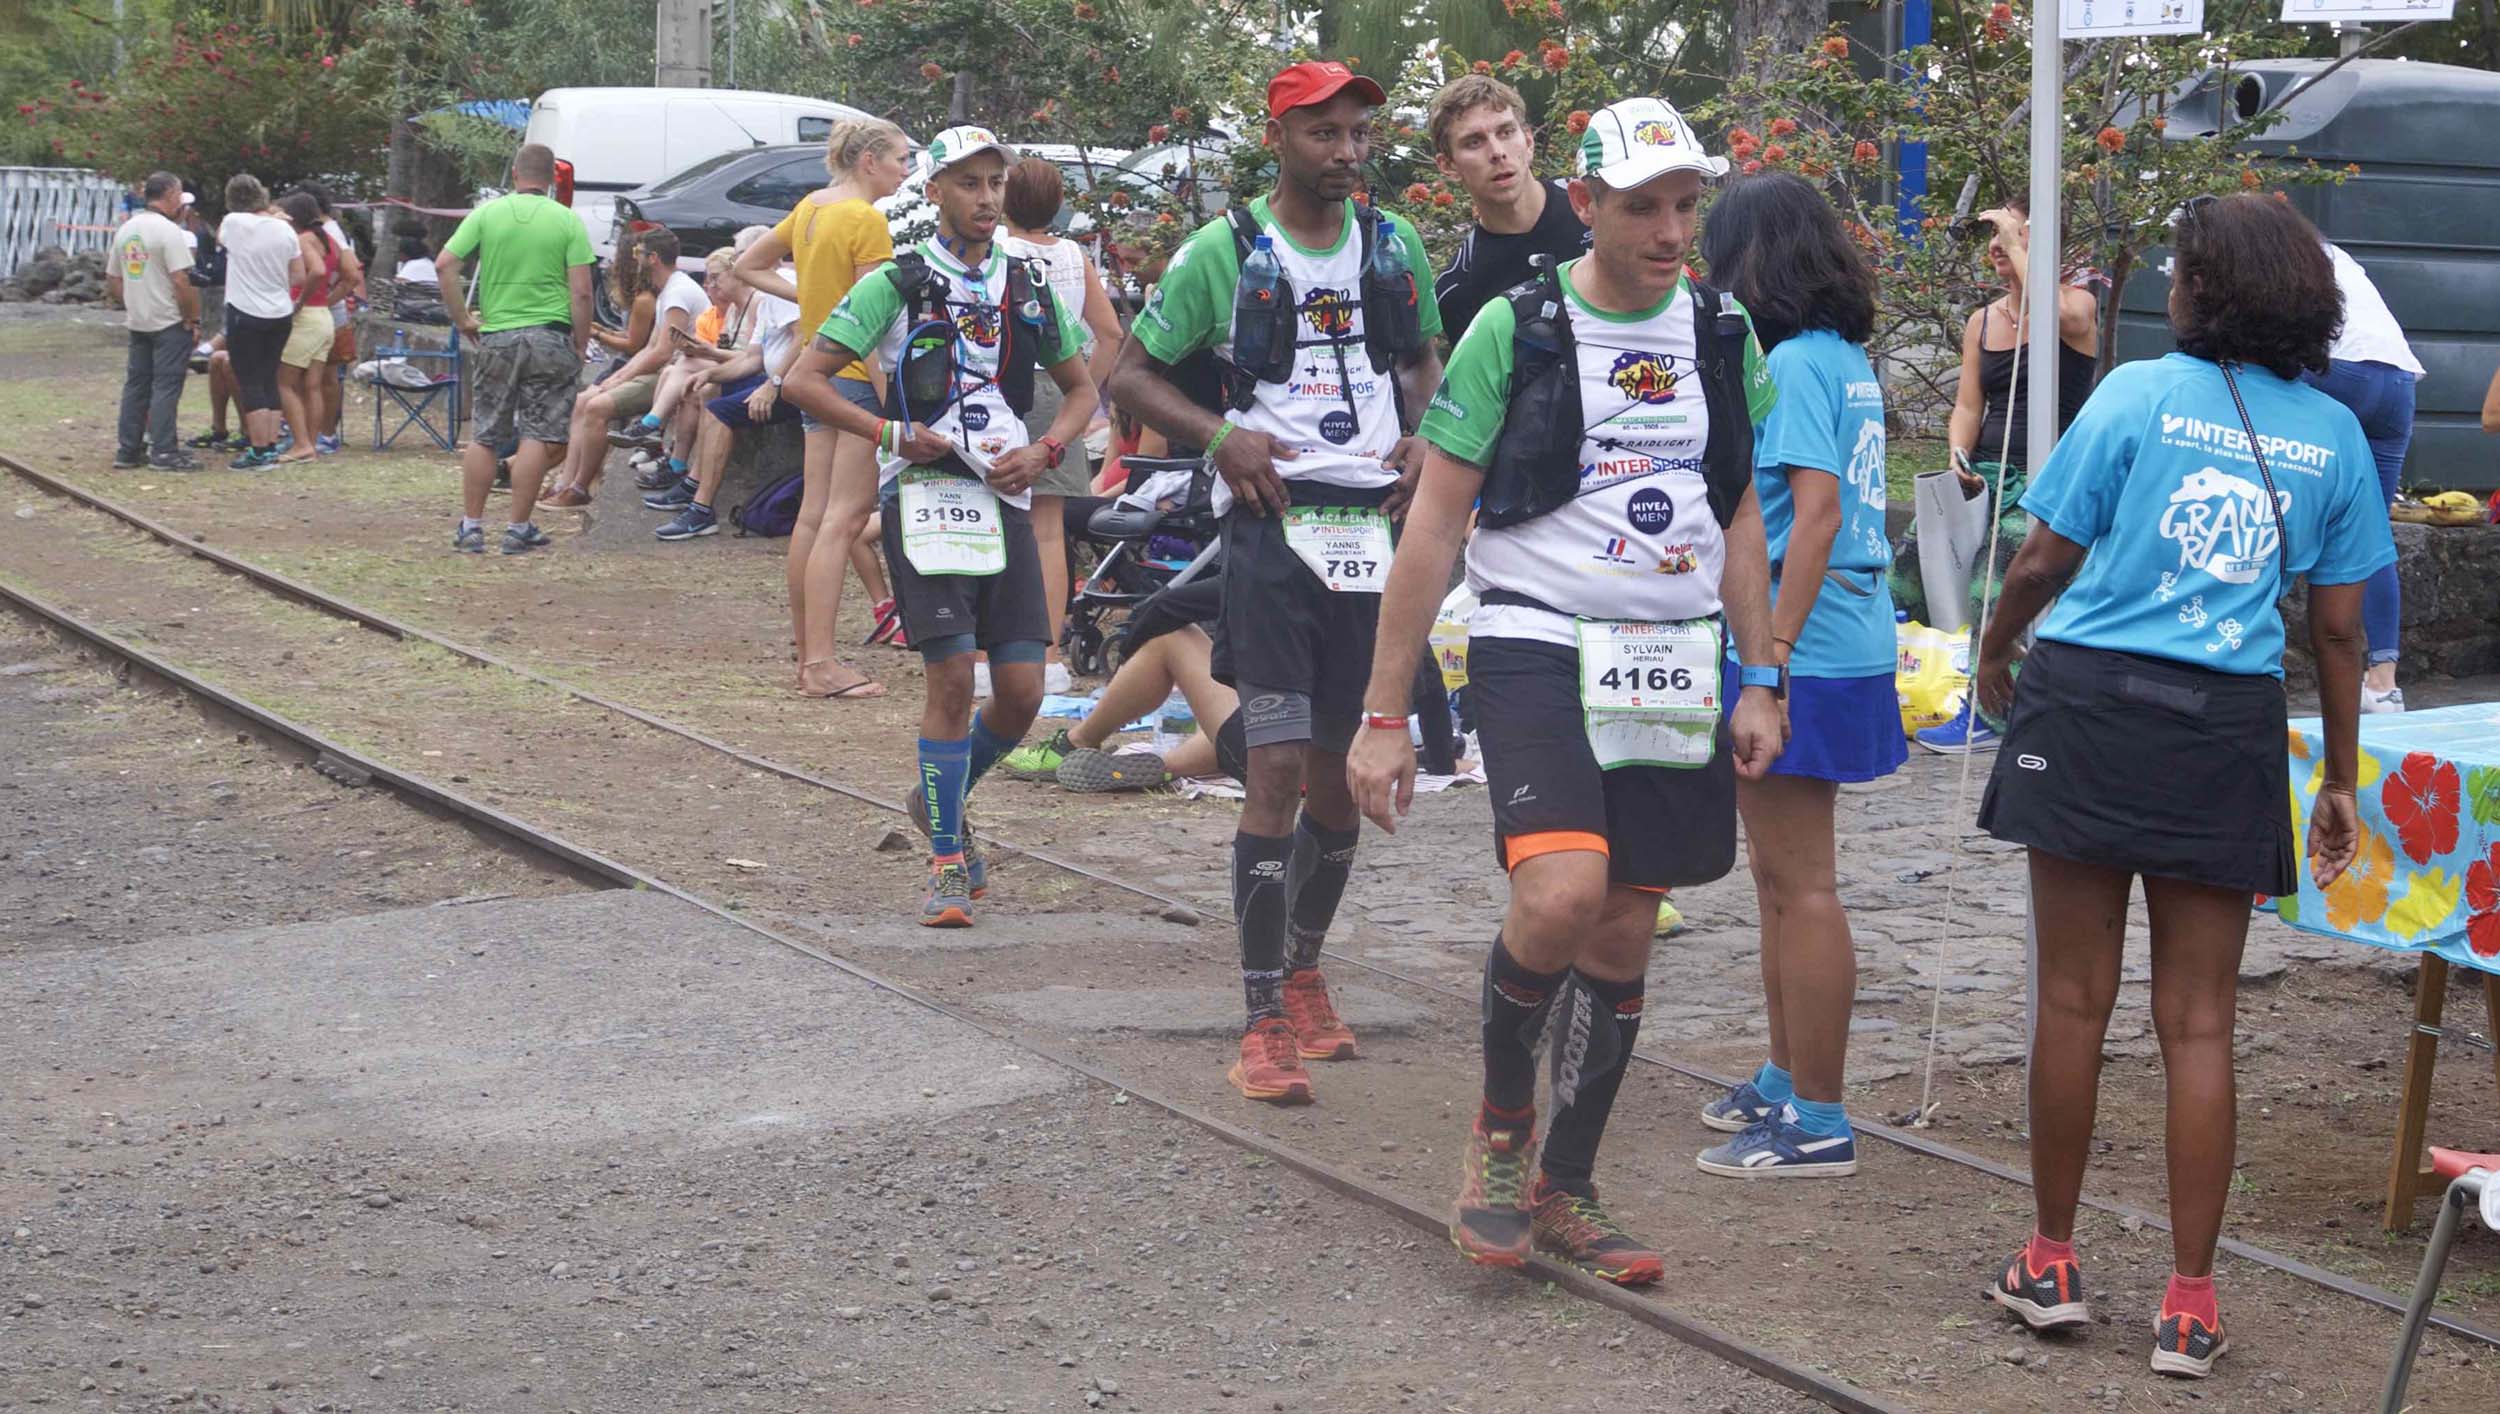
833,236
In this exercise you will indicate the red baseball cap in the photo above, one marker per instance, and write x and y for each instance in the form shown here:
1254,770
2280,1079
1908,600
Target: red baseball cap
1317,81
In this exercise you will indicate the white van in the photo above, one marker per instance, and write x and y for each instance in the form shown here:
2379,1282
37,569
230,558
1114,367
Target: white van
615,139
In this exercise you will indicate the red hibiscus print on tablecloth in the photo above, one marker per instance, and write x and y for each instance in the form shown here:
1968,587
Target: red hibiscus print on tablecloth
2482,902
2421,801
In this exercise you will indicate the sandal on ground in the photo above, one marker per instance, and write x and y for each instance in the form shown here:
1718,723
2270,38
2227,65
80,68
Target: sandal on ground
862,690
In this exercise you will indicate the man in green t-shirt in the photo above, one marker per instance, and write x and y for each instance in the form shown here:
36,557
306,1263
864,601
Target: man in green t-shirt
532,318
1594,664
961,331
1325,331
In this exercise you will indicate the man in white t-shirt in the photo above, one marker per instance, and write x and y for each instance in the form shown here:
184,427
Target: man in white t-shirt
748,395
626,392
149,254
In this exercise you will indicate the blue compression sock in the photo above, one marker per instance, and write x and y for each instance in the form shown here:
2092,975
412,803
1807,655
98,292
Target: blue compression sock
678,465
943,766
1773,1084
987,747
650,420
1821,1120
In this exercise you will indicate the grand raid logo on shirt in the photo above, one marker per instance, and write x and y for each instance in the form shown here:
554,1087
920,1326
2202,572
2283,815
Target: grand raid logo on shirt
1643,377
1329,312
979,322
2222,525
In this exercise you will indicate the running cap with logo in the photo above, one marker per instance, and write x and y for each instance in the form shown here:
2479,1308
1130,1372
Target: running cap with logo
957,143
1639,140
1317,81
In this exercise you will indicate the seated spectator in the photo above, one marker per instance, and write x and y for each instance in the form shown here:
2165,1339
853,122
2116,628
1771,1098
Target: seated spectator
416,261
717,333
1077,758
222,394
748,396
626,392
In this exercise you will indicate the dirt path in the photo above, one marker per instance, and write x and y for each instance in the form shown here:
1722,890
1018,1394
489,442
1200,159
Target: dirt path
1908,1228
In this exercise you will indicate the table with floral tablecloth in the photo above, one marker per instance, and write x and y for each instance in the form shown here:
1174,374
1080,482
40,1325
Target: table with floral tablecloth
2426,880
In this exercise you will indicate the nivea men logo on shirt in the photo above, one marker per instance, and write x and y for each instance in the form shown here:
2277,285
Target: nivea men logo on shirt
1643,377
1330,313
2222,525
2221,438
1650,510
1338,426
975,416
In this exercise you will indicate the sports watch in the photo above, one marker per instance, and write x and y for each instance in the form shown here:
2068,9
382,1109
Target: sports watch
1764,675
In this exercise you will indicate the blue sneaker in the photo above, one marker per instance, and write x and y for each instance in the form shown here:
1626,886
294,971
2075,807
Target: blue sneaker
470,540
1777,1148
1960,737
976,864
326,446
1738,1110
691,522
671,498
521,539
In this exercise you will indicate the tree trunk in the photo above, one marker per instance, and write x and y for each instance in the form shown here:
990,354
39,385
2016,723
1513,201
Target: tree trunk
1787,26
959,103
2121,266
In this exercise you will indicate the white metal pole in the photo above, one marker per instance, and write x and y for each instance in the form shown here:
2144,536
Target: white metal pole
2048,125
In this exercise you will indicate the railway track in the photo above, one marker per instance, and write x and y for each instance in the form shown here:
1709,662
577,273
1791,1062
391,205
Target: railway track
522,834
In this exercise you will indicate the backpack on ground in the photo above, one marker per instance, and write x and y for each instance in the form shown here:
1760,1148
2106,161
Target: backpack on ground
774,512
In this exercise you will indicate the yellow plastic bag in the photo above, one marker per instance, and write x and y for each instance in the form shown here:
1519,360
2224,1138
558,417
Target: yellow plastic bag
1931,675
1449,637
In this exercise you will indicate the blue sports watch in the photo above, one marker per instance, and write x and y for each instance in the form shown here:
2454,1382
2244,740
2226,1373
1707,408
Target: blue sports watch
1764,675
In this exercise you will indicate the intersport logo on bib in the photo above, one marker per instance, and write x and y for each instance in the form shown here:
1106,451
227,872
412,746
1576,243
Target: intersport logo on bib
2222,525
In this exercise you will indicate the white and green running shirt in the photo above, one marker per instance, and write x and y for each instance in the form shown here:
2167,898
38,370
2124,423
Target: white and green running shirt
1639,541
869,321
1338,416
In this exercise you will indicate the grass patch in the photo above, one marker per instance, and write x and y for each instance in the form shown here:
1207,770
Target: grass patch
1906,458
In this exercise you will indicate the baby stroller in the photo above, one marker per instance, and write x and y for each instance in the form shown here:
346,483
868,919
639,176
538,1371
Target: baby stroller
1162,527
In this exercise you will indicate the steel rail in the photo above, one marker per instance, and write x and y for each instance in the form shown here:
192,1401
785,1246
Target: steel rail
1900,1138
1834,1393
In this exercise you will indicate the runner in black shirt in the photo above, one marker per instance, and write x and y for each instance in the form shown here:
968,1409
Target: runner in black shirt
1481,139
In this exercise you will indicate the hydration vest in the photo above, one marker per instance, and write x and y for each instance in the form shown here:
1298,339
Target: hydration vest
1028,323
1392,316
1535,465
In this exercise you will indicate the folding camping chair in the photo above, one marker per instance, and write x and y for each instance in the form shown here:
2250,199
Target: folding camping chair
433,409
2473,1185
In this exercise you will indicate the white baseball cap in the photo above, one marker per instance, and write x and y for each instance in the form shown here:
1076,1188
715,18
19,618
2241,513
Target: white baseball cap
957,143
1639,140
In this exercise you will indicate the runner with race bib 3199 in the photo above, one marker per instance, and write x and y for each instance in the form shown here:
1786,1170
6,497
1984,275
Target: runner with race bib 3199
1599,419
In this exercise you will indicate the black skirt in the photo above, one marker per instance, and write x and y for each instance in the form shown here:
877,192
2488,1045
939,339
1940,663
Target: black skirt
2147,765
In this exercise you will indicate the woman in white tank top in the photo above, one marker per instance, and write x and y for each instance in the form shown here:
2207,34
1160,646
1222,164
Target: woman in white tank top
1035,192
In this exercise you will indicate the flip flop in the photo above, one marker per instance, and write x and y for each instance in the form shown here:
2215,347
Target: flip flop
858,690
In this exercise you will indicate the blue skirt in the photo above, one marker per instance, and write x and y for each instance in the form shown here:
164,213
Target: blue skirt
1839,729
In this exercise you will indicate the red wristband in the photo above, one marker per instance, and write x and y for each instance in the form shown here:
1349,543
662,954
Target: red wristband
1058,450
1383,722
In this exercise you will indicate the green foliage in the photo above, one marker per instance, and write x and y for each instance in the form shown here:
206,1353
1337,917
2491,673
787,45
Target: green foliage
207,105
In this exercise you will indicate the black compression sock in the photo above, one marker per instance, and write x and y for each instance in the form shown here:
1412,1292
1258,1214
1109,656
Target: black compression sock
1314,883
1515,1003
1592,1045
1259,866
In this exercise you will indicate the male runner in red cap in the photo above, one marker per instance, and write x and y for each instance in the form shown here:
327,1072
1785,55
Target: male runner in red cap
1321,312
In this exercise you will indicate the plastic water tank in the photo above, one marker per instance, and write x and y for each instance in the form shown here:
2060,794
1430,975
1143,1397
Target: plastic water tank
2422,216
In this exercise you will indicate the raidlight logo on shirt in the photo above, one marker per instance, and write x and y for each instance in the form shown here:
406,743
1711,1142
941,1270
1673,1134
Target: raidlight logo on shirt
1330,313
1643,377
1613,552
2222,525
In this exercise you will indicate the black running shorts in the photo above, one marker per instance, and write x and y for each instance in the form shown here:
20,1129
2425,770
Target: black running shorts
1658,827
2149,766
1006,607
1286,636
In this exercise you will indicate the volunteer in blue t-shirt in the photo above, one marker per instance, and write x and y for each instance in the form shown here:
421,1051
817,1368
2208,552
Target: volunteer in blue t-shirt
1777,245
2146,737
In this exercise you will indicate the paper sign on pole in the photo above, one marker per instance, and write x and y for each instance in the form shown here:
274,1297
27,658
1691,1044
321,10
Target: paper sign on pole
2101,19
2366,12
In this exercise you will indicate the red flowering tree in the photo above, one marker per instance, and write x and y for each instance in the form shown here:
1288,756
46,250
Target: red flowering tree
208,104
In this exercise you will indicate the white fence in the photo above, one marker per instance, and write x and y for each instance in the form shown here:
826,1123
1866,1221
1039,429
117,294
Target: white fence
62,206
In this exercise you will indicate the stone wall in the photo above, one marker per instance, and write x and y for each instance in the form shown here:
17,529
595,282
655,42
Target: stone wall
54,276
2451,581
